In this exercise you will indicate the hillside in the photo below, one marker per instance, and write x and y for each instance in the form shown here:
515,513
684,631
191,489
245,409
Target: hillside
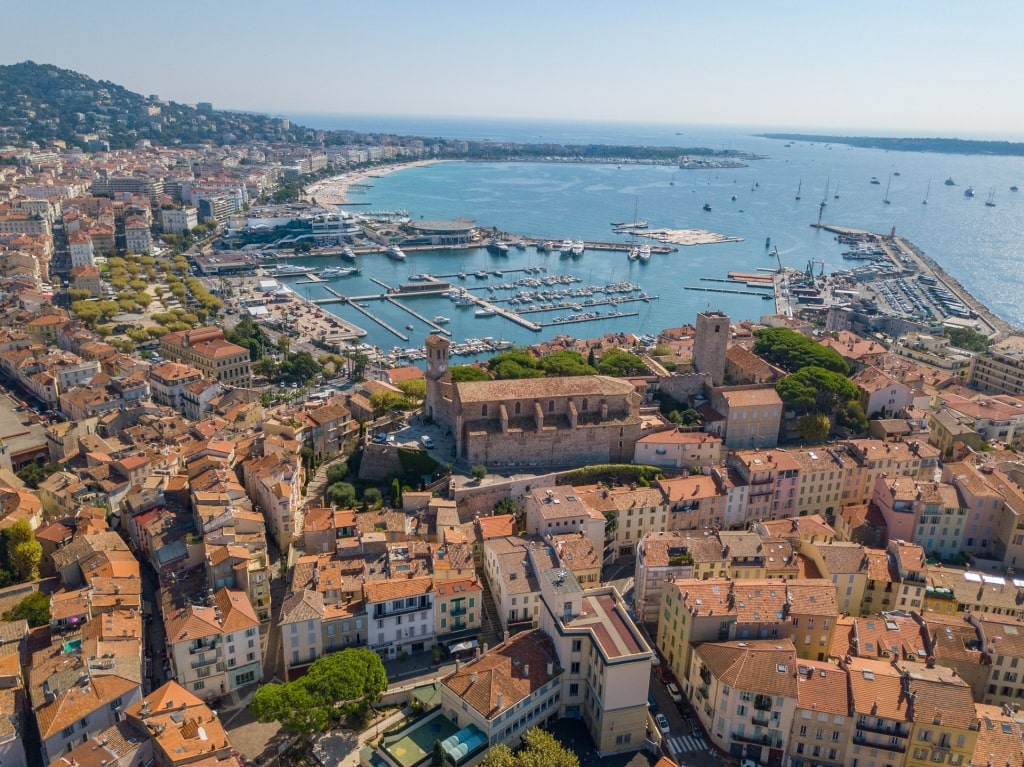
41,102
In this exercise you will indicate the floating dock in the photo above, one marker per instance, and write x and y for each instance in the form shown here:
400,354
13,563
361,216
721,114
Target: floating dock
436,328
726,290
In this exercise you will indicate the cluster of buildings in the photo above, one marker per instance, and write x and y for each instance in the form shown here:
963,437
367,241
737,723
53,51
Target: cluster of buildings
811,602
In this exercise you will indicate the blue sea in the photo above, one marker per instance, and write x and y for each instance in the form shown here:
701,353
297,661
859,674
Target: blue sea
980,246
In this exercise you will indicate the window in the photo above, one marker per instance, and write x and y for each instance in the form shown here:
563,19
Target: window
69,731
577,645
574,667
198,685
252,632
574,689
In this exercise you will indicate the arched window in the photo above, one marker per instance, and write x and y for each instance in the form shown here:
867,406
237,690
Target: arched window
584,405
551,406
518,408
483,411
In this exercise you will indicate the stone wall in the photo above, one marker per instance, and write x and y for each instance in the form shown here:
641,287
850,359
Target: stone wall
683,387
481,499
552,447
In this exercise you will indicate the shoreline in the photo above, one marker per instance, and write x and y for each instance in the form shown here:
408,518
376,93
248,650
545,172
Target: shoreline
334,190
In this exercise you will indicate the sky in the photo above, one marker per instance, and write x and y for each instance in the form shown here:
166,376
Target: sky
880,67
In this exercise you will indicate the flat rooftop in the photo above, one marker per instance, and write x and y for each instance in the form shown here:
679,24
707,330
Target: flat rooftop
611,629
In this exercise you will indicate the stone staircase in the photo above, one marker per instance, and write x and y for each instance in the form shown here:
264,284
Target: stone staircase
490,623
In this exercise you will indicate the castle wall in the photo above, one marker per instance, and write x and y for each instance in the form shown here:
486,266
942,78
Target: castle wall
552,446
684,386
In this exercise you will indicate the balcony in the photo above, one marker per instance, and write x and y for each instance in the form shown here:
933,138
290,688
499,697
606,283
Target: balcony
894,747
759,739
763,702
207,662
886,728
457,610
759,722
702,692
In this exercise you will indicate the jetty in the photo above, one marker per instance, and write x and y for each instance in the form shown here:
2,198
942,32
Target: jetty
433,325
378,320
726,290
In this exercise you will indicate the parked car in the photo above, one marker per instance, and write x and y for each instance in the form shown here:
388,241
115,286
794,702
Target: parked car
427,442
673,692
749,763
380,439
663,725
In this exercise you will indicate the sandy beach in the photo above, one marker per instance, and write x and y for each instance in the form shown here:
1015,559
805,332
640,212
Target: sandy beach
334,190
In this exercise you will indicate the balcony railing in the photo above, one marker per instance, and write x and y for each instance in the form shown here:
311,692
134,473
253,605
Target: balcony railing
763,702
749,737
760,722
458,610
896,747
207,662
702,692
884,728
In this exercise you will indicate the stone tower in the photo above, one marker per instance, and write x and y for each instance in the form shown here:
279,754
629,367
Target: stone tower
438,400
709,345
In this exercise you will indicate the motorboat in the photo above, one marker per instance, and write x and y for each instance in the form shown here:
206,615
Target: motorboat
395,252
969,191
707,206
440,319
577,248
644,253
497,247
348,254
484,312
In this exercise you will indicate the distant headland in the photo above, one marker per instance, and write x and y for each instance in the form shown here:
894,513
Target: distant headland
944,145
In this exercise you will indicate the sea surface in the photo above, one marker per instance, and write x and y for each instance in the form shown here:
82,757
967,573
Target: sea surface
978,245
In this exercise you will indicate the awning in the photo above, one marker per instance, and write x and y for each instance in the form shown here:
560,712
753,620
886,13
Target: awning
469,644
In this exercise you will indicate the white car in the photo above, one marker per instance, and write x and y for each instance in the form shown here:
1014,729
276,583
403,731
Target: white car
427,442
749,763
673,692
663,725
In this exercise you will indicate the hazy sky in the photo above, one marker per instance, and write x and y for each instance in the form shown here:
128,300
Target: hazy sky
888,67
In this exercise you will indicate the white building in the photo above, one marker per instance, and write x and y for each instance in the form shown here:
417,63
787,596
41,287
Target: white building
400,616
215,650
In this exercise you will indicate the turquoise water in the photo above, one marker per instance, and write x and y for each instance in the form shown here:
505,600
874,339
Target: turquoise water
978,245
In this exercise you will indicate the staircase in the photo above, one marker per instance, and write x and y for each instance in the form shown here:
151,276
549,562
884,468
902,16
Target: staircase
490,624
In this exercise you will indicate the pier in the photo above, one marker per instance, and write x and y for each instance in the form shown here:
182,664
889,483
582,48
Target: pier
610,316
436,328
727,290
767,285
378,320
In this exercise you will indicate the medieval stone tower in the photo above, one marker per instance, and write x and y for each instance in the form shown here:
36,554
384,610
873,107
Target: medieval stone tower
709,345
437,406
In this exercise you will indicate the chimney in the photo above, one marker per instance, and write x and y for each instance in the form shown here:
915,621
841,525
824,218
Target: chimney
551,668
500,704
458,665
504,636
472,678
526,671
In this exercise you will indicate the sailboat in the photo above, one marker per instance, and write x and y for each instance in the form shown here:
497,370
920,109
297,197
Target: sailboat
886,198
824,199
926,191
991,201
799,186
836,195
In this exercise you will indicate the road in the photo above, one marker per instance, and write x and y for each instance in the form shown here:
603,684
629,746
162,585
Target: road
686,742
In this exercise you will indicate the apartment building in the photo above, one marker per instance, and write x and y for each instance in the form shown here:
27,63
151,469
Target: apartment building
274,484
772,478
752,415
667,556
400,616
677,449
459,608
561,509
207,349
846,565
215,650
605,660
745,695
512,579
822,726
1000,370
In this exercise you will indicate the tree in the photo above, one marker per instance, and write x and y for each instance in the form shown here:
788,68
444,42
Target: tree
814,427
437,756
817,389
385,401
336,472
414,389
24,552
372,497
336,686
540,749
461,373
35,608
565,363
616,362
396,493
791,351
34,474
341,494
478,472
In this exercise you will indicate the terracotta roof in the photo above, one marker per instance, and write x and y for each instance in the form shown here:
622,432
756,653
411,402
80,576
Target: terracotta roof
759,666
512,671
542,388
822,687
1000,738
81,700
395,588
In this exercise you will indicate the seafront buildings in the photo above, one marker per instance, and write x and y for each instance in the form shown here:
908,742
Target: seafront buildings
852,602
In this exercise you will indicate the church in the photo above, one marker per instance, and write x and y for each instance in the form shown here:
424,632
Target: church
534,422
